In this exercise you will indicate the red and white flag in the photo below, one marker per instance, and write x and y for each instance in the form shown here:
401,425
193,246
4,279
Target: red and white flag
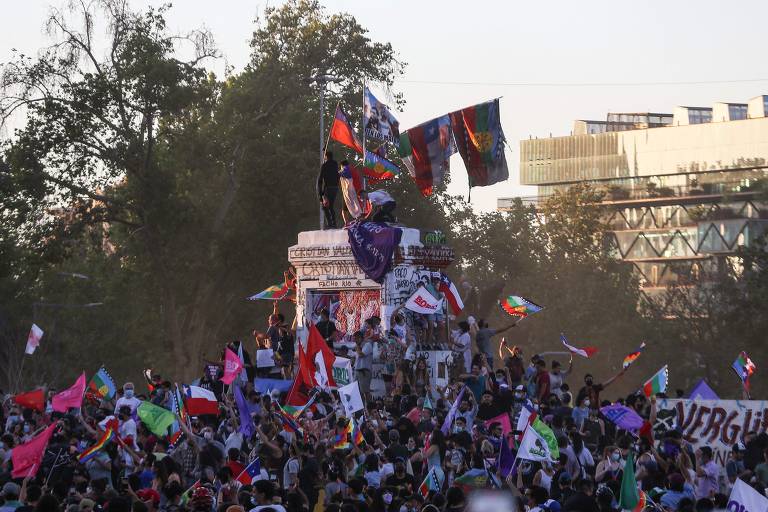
451,294
583,352
232,367
33,340
423,302
200,401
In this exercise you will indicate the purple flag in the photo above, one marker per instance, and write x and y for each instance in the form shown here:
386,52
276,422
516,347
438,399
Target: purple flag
247,428
624,417
702,391
446,428
506,458
373,245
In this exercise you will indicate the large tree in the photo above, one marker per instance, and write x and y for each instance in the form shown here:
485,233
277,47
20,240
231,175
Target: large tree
197,185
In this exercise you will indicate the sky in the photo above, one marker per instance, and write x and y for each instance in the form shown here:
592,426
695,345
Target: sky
560,60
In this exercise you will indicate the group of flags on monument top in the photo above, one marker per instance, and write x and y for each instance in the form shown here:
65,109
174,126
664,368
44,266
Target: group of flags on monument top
474,132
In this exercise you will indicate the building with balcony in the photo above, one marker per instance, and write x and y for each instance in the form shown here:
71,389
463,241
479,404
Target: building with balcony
683,190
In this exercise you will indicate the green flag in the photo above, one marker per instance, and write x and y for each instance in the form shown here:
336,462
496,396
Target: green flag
156,418
428,404
544,431
629,497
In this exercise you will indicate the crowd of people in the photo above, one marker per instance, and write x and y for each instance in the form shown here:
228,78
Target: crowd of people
411,448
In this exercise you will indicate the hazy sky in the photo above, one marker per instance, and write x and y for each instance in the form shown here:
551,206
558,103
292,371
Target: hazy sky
508,41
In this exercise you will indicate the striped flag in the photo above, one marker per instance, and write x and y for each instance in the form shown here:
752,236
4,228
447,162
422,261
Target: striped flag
583,352
632,356
91,451
430,483
451,294
657,383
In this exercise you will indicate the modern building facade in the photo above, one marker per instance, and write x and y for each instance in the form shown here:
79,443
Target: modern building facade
683,190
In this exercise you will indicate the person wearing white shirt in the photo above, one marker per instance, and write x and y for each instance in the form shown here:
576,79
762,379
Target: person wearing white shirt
463,345
363,363
127,399
383,206
128,433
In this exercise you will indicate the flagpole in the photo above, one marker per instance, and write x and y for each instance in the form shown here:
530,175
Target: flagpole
362,129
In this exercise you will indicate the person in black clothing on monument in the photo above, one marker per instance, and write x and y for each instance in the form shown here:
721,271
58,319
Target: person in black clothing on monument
328,187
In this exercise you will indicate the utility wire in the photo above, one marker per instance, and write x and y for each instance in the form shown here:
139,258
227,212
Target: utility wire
582,84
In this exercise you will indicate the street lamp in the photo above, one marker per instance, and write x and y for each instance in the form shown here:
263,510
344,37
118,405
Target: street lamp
322,80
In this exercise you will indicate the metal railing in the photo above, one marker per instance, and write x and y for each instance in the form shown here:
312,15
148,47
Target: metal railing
618,194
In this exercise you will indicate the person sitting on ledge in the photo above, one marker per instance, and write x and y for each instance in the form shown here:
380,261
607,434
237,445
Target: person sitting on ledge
382,206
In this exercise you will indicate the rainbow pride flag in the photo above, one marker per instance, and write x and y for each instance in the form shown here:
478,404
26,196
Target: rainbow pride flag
90,452
276,292
341,441
657,383
357,434
632,356
519,306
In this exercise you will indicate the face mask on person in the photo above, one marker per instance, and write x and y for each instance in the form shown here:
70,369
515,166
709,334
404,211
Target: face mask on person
587,403
129,393
457,429
616,456
518,396
208,435
387,498
26,429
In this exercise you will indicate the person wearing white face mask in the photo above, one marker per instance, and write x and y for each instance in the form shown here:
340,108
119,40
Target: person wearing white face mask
581,412
610,467
128,399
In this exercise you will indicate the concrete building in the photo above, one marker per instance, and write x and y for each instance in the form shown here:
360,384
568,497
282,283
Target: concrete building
682,189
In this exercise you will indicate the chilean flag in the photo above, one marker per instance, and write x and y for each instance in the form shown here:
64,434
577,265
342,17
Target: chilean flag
199,401
251,473
451,294
583,352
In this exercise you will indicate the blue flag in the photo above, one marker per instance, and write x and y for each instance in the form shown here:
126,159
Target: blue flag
373,246
247,427
506,458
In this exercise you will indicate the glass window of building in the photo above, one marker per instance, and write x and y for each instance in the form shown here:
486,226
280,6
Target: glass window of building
737,112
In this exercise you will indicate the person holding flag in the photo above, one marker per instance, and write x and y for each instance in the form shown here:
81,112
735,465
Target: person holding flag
483,334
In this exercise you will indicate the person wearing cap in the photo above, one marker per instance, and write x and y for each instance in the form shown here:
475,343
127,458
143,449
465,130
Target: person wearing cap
561,489
10,494
735,467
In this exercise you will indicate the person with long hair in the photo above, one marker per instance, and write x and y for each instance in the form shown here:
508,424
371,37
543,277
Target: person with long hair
421,377
435,455
610,466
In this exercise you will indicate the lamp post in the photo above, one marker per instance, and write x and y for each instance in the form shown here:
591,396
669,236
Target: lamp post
322,80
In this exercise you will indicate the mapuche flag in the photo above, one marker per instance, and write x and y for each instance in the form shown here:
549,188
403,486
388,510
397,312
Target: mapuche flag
480,141
342,132
425,150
